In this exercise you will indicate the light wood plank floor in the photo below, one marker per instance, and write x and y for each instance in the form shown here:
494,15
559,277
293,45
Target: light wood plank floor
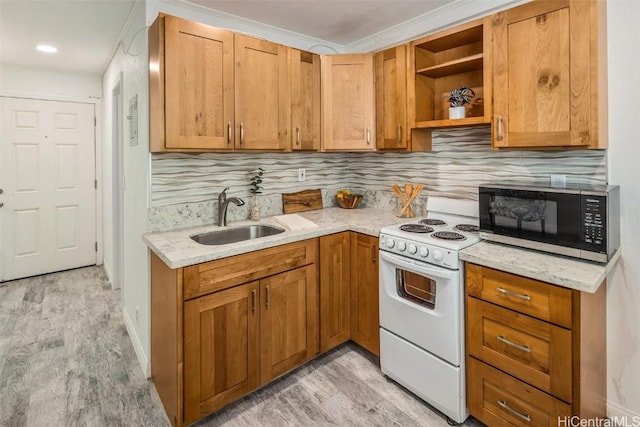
66,360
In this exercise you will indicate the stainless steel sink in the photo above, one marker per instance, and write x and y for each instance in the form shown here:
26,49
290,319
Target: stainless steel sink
233,235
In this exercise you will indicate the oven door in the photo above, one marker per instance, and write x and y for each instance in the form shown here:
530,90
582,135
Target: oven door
422,303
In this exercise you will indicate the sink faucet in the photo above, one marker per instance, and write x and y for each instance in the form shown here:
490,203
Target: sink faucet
223,204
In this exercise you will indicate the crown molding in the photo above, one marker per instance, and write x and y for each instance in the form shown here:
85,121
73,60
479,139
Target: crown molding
188,10
453,13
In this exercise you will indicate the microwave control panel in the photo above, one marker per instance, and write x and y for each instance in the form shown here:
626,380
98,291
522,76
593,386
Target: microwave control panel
594,222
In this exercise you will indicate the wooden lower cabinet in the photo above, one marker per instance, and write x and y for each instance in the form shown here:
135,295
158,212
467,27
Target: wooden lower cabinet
349,291
288,321
217,334
335,290
222,349
365,310
535,351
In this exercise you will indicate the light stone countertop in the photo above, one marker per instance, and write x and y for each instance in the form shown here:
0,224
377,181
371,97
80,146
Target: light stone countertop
567,272
177,250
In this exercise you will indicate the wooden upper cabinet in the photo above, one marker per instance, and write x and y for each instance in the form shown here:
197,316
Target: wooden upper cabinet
262,95
347,103
191,85
549,75
304,68
391,99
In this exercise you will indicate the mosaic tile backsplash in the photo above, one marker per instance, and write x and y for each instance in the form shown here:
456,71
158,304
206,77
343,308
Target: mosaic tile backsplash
184,187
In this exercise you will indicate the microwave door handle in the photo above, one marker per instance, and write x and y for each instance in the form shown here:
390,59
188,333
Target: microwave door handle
418,268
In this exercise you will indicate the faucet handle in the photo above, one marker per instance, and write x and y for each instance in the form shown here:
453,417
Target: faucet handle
222,196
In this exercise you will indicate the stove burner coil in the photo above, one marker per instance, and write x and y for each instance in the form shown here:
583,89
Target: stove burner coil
468,228
416,228
432,221
448,235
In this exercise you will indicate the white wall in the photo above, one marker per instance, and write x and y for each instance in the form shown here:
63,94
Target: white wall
133,67
16,80
623,288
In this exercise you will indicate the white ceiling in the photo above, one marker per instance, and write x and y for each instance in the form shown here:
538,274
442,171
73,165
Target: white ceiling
337,21
86,32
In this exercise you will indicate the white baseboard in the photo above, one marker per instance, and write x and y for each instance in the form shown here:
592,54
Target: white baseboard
622,416
137,347
107,271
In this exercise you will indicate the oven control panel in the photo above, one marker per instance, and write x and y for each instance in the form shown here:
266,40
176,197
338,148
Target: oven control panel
419,251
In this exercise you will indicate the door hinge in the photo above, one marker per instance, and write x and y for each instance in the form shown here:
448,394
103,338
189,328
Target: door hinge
95,184
95,121
96,246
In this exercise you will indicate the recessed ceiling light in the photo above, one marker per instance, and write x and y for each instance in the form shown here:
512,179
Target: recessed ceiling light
47,48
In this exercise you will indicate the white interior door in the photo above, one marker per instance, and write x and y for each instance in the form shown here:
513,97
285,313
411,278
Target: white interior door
47,177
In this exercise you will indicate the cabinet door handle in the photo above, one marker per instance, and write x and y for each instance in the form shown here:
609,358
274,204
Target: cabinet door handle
229,133
525,297
297,136
266,299
373,253
503,405
399,134
241,133
500,135
253,300
368,137
524,348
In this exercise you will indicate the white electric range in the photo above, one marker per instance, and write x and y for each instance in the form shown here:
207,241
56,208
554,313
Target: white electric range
422,307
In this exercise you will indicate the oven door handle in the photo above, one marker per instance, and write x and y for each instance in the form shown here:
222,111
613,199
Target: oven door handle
418,267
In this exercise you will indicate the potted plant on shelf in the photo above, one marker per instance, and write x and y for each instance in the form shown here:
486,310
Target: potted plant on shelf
457,98
255,188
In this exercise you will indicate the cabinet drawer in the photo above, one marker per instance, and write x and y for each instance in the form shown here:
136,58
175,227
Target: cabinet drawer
238,269
537,299
536,352
498,399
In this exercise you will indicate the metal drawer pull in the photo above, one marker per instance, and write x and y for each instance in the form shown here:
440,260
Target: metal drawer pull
500,136
503,405
266,303
525,348
253,300
241,133
368,137
373,253
525,297
229,133
297,136
399,134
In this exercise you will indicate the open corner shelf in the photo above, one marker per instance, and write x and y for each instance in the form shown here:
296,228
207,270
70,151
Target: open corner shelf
449,60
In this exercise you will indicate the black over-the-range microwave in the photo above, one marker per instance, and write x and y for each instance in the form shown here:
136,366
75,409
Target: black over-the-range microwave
580,221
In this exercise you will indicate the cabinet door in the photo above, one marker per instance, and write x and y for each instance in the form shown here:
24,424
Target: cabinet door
305,100
335,290
262,95
347,103
545,76
221,349
391,99
365,311
198,81
288,321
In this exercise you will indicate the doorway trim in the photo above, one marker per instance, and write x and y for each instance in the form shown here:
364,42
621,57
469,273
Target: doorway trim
117,185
